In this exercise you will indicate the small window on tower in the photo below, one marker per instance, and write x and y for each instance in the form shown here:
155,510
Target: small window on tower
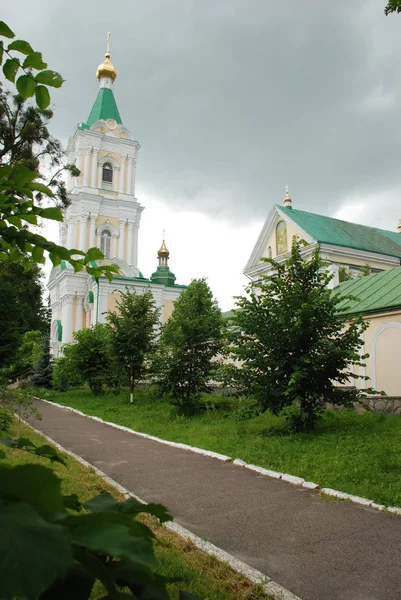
107,176
105,243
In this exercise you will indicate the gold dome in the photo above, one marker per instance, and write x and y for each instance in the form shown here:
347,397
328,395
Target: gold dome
106,68
163,250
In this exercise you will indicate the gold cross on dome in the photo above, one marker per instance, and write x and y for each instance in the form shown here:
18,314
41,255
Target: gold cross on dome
108,44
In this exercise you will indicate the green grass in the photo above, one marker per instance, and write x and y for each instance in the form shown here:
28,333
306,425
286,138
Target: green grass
200,574
358,454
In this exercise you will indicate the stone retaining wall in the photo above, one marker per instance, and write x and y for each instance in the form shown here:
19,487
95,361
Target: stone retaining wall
391,405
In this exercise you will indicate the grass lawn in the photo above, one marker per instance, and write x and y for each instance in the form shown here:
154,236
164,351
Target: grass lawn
201,574
358,454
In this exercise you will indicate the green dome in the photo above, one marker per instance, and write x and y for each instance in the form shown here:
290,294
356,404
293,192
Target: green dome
163,276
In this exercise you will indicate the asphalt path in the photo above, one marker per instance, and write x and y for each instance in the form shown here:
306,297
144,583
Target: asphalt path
317,549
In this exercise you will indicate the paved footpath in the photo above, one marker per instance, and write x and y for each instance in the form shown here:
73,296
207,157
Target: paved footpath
317,549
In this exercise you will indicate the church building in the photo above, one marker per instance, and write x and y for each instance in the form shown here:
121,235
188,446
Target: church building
103,212
356,250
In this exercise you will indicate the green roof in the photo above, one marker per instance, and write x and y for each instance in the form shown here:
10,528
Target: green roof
327,230
376,293
164,276
105,107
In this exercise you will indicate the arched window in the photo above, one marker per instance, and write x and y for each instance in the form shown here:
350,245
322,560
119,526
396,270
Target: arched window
107,174
269,252
281,238
105,243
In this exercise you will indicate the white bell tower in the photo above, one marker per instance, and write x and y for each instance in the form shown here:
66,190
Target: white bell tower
103,211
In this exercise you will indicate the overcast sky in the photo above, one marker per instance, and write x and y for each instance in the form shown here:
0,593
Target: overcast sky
231,100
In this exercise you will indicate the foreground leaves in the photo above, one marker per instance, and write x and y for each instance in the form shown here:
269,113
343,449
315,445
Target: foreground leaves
52,554
33,552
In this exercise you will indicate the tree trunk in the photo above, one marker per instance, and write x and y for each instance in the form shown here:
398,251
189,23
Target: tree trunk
131,391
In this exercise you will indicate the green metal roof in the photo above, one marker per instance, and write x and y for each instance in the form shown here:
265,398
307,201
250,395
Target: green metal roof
328,230
376,293
164,276
105,107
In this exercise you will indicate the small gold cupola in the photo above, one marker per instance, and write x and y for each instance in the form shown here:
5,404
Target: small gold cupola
287,200
106,68
163,254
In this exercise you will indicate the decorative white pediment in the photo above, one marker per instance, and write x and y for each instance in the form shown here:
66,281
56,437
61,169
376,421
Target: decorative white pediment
267,233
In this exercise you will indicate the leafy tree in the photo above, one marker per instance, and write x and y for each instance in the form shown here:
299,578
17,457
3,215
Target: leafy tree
42,376
90,354
392,6
190,342
133,331
26,147
344,274
364,271
65,374
21,307
28,353
293,345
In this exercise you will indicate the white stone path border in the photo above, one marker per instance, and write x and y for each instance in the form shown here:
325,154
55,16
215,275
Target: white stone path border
270,587
310,485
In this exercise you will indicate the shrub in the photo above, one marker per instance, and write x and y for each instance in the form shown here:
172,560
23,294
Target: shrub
5,419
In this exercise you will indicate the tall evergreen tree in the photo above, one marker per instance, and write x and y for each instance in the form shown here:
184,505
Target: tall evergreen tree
21,307
43,372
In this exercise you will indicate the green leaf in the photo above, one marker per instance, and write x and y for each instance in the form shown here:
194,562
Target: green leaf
56,260
49,452
5,31
76,584
10,69
93,254
23,443
104,502
37,254
50,78
36,186
53,213
29,218
33,553
72,502
108,533
35,61
34,484
26,86
21,46
42,96
2,454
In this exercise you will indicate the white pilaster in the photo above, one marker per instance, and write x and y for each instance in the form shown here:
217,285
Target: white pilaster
78,313
94,167
135,246
82,233
86,166
122,173
79,161
129,175
92,231
71,233
133,178
121,239
66,319
130,242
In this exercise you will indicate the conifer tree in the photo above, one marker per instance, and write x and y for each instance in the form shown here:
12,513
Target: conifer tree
43,373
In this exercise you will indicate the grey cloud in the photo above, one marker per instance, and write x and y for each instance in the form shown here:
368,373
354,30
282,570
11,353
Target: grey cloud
233,99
